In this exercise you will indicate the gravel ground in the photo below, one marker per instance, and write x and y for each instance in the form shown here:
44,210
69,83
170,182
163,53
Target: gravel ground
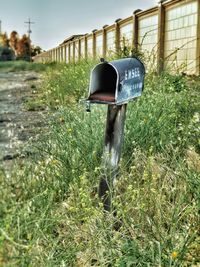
18,125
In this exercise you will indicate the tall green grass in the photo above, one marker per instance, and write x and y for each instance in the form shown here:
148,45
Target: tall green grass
67,84
50,214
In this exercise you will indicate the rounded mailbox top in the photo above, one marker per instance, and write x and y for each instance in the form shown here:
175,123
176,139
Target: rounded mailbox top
117,81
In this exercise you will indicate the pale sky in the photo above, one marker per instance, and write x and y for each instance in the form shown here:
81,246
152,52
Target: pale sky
56,20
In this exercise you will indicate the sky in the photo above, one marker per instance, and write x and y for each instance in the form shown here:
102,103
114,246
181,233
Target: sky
55,20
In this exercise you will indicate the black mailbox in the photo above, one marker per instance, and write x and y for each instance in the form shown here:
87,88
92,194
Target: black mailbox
116,82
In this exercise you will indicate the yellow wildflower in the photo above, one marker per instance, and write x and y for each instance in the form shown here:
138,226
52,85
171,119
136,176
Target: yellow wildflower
174,255
54,162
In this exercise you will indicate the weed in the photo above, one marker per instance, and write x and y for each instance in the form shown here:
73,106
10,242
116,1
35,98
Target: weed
50,214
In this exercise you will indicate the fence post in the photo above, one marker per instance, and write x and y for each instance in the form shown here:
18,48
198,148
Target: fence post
79,49
58,54
104,40
94,43
86,55
61,54
69,52
117,36
135,29
198,40
55,54
74,47
64,53
161,36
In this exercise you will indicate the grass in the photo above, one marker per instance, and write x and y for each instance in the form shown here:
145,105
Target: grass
12,66
67,84
50,214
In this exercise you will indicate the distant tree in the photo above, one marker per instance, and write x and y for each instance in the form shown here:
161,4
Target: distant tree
14,38
6,53
35,50
24,48
4,41
17,48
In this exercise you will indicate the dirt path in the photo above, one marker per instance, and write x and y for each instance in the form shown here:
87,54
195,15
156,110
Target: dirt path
17,124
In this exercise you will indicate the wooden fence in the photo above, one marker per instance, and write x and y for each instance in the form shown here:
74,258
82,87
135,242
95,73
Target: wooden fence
168,35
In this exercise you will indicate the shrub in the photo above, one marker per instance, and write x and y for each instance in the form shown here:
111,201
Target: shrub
6,54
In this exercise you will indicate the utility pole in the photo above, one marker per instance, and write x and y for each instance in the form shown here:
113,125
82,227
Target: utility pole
0,26
29,22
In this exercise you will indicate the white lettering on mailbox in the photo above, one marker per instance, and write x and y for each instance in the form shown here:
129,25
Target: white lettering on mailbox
132,73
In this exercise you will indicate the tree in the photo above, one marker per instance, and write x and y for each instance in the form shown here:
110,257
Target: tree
6,53
35,50
24,47
4,41
14,38
17,48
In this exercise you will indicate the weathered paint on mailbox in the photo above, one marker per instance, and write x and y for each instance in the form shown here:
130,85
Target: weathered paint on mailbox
116,82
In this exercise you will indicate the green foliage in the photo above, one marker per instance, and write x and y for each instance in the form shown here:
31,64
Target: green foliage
35,50
22,66
164,116
6,54
14,47
50,214
73,79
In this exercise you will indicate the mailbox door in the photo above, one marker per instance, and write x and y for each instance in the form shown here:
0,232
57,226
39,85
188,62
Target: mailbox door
103,84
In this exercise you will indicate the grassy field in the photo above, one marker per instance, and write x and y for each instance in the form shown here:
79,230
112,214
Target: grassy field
12,66
50,214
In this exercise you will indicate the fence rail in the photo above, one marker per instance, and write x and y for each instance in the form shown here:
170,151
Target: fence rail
168,35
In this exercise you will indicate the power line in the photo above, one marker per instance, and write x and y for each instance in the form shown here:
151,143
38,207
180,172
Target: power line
29,22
